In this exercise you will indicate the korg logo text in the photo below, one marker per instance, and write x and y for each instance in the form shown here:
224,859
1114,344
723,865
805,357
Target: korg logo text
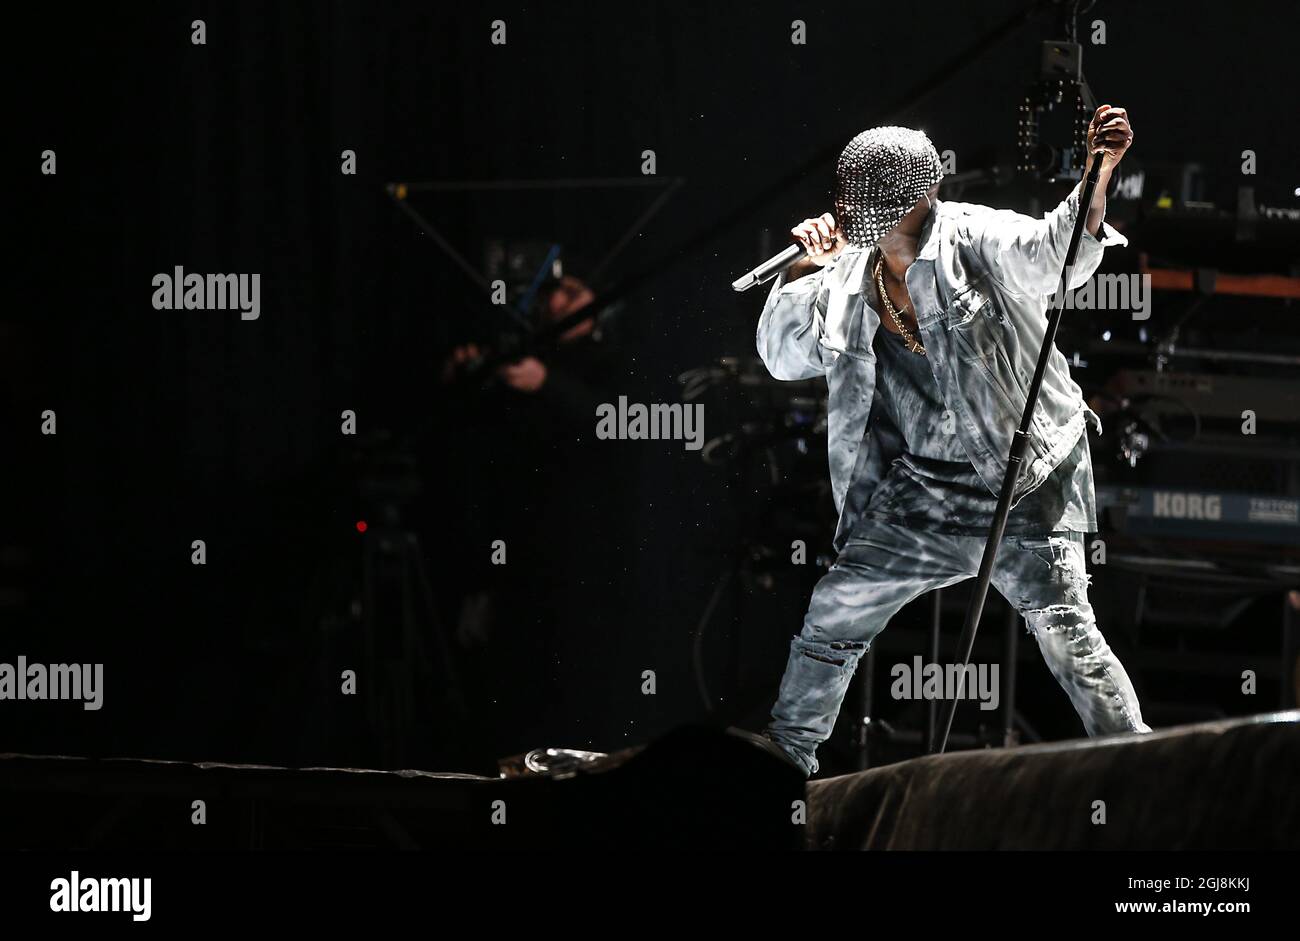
1188,506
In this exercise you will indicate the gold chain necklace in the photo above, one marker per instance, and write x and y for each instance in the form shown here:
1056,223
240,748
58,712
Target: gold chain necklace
913,343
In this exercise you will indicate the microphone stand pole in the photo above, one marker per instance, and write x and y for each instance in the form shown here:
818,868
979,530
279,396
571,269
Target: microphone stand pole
1019,445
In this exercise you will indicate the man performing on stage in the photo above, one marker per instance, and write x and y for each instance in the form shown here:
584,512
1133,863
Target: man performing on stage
921,416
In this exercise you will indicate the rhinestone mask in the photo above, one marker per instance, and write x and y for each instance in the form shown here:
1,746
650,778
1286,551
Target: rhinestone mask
880,176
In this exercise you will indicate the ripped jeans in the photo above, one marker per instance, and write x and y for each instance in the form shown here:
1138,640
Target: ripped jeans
883,566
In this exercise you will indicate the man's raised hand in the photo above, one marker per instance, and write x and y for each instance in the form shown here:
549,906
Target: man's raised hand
1111,132
821,238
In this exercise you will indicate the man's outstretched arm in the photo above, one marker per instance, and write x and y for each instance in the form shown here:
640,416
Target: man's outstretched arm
1109,137
1026,254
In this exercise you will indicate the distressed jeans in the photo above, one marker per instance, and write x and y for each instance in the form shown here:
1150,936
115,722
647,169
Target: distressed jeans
883,566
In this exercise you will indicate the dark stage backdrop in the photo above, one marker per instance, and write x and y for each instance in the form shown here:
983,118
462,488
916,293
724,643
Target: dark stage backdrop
183,425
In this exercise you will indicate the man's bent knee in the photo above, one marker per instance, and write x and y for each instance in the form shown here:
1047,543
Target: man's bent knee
840,653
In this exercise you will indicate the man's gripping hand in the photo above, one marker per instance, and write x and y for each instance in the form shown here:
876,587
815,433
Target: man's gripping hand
821,238
822,241
1110,132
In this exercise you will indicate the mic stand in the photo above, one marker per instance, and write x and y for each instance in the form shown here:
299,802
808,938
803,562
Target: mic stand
1019,444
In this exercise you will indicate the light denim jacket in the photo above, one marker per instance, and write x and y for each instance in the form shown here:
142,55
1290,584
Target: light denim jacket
980,285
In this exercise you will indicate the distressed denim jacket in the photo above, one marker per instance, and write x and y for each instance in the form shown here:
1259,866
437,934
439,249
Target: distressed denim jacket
980,286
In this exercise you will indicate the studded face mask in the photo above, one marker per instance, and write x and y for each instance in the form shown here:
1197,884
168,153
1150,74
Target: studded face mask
879,178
